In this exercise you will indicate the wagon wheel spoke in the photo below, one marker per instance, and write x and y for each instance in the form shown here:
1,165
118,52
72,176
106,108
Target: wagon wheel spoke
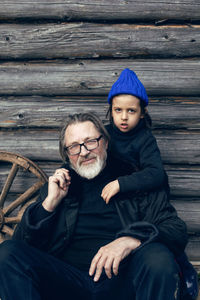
17,219
12,220
8,183
11,215
7,230
21,199
1,237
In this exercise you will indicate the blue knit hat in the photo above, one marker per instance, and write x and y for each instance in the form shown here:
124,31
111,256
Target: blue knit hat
128,83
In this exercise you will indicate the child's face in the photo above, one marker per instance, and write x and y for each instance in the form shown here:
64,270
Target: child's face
126,112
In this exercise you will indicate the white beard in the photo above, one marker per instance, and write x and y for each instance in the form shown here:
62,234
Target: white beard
91,170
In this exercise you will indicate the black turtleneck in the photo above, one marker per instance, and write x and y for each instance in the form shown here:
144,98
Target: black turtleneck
97,222
139,148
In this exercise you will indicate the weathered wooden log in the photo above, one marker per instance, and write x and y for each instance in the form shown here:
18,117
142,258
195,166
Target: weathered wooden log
184,182
179,147
42,112
193,248
87,40
176,147
100,10
189,211
187,208
89,77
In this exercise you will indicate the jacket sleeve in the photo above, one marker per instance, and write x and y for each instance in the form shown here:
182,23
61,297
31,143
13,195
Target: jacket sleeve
150,218
143,231
132,225
151,174
36,223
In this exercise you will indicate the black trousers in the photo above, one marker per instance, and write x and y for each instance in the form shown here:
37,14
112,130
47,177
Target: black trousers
27,273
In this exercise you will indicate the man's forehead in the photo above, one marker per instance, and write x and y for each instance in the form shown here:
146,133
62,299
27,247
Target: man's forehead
79,132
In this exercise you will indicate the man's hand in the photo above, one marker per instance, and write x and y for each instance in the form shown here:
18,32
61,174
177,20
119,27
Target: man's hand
110,190
57,189
110,256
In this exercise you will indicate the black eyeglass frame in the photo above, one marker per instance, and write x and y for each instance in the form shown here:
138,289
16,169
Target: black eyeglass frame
67,149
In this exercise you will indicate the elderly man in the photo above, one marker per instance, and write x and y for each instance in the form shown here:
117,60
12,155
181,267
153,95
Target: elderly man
70,244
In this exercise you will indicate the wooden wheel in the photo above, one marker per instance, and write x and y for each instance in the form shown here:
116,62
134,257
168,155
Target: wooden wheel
11,214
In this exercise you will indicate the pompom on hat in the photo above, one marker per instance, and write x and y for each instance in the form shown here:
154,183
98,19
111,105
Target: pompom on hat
128,83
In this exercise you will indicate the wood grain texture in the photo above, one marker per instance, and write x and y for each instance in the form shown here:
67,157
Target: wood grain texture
128,10
174,113
175,147
89,77
89,40
189,211
184,182
193,248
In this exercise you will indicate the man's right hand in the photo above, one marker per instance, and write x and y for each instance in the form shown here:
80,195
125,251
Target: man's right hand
57,189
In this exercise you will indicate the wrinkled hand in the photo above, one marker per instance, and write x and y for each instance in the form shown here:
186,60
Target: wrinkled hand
110,190
57,189
110,256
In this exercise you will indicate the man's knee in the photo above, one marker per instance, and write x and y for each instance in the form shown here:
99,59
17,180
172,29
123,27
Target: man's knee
153,271
156,261
160,262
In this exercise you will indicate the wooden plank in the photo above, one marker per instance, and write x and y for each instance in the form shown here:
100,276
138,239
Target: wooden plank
36,145
87,40
46,112
176,147
187,208
193,248
179,146
184,182
90,77
100,10
189,211
166,112
189,200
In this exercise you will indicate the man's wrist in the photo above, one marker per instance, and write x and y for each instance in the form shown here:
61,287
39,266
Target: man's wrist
133,242
48,205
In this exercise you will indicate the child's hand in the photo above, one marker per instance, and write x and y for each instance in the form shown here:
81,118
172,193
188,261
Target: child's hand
110,190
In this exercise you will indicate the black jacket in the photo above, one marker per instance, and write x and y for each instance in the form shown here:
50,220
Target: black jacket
148,217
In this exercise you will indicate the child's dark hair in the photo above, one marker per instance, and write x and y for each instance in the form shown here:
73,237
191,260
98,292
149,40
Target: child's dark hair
144,112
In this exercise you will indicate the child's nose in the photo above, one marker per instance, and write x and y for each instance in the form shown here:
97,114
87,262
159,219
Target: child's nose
124,115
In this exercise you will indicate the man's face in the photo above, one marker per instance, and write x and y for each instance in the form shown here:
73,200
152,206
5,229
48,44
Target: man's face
88,163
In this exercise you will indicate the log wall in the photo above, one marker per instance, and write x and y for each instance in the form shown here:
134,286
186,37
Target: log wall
62,57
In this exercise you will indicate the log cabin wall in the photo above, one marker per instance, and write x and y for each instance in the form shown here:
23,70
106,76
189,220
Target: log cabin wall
60,57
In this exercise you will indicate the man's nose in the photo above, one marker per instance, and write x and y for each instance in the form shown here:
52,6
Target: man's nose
84,150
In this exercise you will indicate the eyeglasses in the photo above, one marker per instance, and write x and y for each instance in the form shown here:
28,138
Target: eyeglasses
89,145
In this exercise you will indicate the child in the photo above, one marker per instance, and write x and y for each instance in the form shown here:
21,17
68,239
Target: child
131,137
133,141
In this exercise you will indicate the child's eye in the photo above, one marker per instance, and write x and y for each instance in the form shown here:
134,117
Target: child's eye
131,111
118,109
